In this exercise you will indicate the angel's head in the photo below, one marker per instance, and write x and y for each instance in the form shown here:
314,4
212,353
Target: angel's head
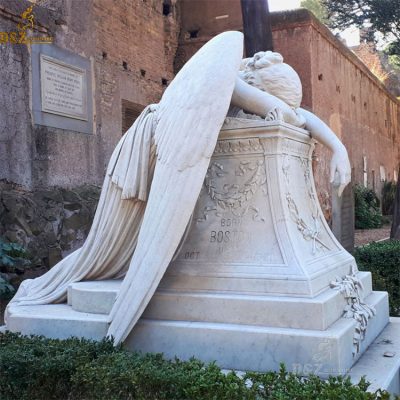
267,71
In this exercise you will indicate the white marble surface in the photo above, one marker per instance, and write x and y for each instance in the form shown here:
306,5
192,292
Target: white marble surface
258,348
269,191
233,308
96,297
237,346
257,226
252,298
380,364
57,321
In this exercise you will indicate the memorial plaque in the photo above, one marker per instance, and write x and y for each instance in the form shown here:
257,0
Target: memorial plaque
63,88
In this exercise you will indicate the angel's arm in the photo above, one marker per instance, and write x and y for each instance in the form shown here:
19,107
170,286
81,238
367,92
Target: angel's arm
261,103
340,160
257,102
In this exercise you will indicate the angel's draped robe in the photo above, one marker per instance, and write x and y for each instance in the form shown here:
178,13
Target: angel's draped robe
112,239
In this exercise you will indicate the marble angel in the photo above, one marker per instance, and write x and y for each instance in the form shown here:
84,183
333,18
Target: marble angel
157,169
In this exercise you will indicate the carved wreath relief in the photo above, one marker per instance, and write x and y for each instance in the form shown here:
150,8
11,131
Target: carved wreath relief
232,220
232,196
310,232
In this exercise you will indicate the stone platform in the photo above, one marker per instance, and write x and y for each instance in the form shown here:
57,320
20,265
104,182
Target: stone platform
258,280
258,342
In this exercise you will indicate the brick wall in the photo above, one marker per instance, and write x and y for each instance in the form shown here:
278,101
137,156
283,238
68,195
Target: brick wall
341,90
337,87
135,50
131,46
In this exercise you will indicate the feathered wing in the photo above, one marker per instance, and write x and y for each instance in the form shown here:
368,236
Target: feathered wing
190,115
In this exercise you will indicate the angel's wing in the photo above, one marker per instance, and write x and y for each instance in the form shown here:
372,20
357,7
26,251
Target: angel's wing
190,115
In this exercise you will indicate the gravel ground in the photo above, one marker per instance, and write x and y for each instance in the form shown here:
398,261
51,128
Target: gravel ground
365,236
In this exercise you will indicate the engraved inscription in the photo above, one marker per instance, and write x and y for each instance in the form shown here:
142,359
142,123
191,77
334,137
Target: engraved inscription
63,88
229,236
232,221
192,255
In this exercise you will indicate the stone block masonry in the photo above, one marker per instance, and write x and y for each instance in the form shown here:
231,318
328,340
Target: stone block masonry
50,224
130,48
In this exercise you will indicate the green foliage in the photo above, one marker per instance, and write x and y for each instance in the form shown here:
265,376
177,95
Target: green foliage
379,15
13,256
367,208
13,259
36,368
383,261
393,52
152,377
39,368
388,195
289,386
317,8
6,289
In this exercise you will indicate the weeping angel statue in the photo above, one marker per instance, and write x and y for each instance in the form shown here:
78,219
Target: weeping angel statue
157,169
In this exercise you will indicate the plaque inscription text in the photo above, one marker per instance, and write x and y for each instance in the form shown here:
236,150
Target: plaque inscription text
63,88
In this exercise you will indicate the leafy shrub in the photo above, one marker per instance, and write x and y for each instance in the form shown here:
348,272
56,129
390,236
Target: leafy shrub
13,259
37,368
388,195
367,208
383,261
6,289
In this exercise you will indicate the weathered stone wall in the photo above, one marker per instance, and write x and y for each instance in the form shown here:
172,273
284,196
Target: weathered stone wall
131,48
379,63
201,20
50,224
34,155
15,120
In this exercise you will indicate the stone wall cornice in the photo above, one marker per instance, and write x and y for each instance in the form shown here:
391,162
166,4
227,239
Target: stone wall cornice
285,20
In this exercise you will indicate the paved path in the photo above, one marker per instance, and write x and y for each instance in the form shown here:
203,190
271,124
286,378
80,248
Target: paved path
365,236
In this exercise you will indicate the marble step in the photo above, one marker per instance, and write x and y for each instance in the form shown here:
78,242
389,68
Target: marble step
260,348
95,297
249,347
277,311
57,321
380,364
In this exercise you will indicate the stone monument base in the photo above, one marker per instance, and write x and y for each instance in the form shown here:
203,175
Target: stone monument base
258,280
255,343
260,348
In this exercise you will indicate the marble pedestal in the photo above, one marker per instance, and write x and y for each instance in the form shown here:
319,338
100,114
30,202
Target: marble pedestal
250,284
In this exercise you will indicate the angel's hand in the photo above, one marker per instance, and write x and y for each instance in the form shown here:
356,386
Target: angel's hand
275,114
340,169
